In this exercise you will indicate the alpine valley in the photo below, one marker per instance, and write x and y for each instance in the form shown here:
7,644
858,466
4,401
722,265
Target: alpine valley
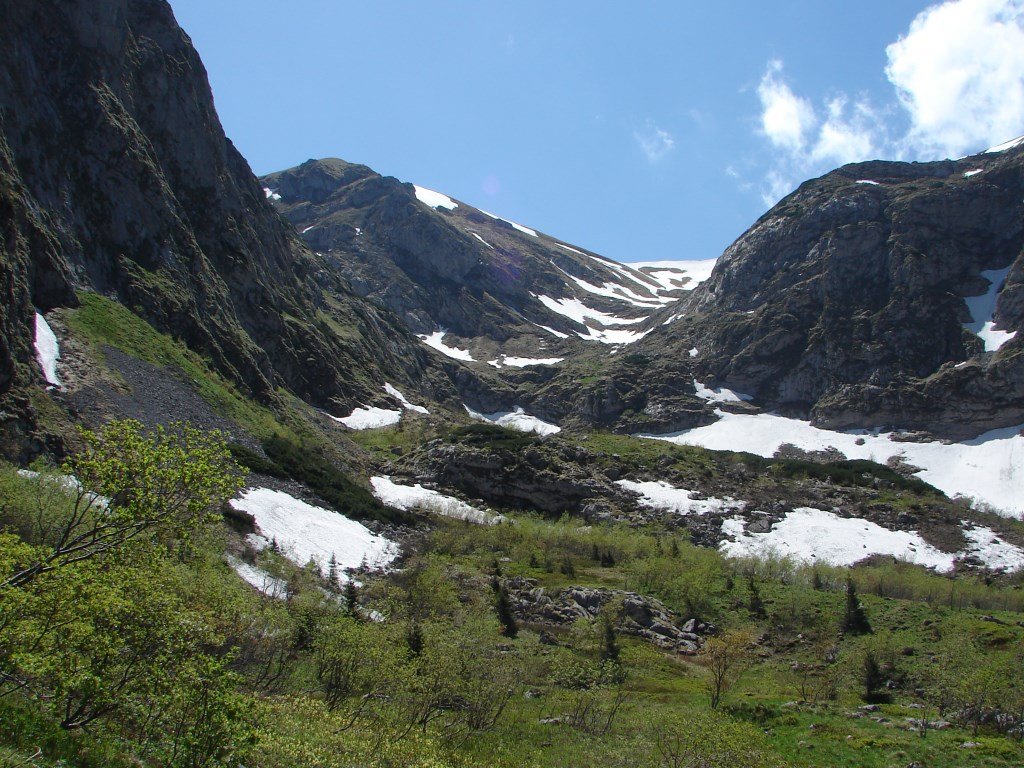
483,496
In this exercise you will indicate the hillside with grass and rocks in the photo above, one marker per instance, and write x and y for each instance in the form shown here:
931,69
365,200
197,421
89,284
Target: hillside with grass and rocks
325,468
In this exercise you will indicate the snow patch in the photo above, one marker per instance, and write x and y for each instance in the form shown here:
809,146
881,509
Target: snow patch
369,418
720,394
402,399
982,309
518,420
47,350
576,310
553,332
523,362
519,227
694,352
474,234
571,250
676,275
435,340
995,554
816,536
988,468
434,199
305,532
260,579
661,495
867,181
612,336
271,194
411,497
975,172
312,226
1006,145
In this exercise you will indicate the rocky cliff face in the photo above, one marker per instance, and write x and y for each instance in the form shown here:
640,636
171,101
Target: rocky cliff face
115,176
850,299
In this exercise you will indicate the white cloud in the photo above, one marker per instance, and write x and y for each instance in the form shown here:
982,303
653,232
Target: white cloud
785,117
958,78
959,73
654,141
846,136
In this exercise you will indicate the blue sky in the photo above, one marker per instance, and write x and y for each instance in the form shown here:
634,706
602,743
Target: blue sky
648,130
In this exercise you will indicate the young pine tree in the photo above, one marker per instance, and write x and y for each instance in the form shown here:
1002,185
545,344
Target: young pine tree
503,607
855,620
351,597
756,605
609,641
873,680
332,571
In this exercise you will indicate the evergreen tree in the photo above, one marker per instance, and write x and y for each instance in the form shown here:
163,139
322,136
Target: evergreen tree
873,680
332,570
503,607
756,605
351,597
609,642
855,620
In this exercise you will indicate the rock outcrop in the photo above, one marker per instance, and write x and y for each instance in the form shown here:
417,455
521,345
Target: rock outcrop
637,615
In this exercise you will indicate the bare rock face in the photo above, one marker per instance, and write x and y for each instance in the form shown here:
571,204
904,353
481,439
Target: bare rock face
846,302
639,615
116,176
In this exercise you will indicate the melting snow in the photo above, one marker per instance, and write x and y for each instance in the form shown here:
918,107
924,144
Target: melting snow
610,336
988,468
271,194
814,535
305,532
576,310
434,199
523,362
435,340
573,250
1006,145
260,579
47,350
369,418
675,275
518,420
474,234
618,292
373,417
995,554
519,227
719,395
661,495
983,307
553,332
413,497
401,398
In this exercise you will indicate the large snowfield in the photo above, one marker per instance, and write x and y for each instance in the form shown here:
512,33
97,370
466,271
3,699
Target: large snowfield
988,469
306,532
